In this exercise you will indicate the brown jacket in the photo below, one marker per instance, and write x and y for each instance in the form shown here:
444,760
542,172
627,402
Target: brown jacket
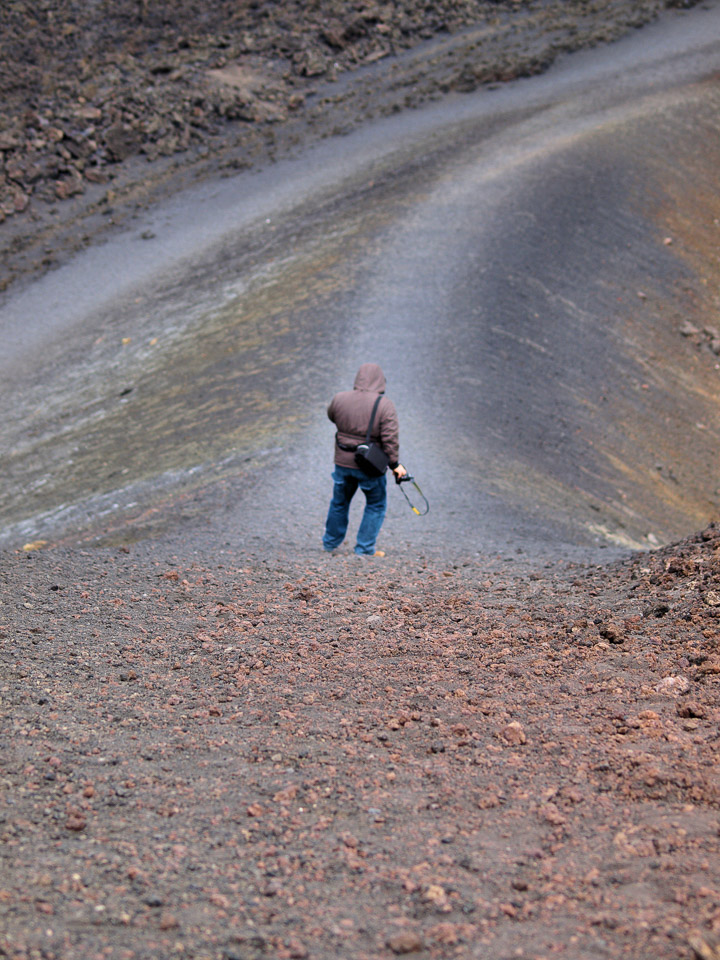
350,411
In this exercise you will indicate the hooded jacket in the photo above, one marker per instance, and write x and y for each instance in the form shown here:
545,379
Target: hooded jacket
351,410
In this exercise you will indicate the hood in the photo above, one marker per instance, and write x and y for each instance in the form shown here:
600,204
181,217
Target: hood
371,378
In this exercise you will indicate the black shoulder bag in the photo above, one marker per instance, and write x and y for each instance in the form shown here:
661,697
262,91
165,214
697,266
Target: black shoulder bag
370,457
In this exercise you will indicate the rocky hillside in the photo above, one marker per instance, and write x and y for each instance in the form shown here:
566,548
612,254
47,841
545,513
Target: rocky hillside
85,86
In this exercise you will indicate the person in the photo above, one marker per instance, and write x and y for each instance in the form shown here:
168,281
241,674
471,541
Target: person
350,411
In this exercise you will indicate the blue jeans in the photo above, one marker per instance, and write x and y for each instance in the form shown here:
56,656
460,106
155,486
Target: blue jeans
347,480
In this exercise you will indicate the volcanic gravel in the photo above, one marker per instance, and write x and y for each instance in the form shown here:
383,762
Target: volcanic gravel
341,757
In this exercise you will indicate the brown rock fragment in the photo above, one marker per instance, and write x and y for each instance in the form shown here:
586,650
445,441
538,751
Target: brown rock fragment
69,186
612,632
402,943
691,709
76,822
551,814
705,945
121,141
513,733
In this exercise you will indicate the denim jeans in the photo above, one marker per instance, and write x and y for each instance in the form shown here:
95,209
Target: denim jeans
347,480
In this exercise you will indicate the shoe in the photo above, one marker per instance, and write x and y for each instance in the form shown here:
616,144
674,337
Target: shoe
379,553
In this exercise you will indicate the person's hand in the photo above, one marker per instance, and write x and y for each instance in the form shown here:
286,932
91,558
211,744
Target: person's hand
399,472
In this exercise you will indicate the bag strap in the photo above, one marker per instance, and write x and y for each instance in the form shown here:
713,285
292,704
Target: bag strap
372,418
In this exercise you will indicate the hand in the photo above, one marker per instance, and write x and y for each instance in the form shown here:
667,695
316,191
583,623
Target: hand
399,472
